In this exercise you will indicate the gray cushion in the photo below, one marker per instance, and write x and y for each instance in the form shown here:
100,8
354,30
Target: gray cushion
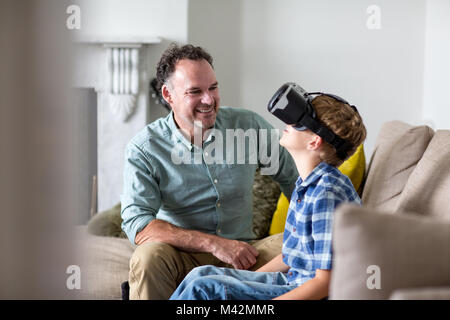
398,149
411,251
436,293
428,188
104,264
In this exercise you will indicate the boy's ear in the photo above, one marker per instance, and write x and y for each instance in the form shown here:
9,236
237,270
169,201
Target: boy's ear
315,142
165,92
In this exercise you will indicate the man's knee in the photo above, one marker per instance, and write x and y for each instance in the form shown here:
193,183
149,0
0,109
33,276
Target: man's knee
152,256
268,248
153,271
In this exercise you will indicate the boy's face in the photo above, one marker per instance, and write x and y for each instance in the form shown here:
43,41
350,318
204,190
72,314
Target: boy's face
295,140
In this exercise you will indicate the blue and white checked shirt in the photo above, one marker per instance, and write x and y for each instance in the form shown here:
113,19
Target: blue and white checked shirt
307,239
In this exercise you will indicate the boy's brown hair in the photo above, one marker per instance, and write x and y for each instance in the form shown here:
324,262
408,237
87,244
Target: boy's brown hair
344,121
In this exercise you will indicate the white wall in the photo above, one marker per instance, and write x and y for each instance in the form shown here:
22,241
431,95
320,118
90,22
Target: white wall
166,19
322,45
436,105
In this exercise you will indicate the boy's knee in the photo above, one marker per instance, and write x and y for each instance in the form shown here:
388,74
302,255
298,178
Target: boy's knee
202,271
203,288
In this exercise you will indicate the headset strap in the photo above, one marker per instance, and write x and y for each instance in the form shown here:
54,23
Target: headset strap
342,146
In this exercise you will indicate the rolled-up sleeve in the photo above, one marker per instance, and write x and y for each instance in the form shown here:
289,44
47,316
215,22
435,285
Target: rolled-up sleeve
141,198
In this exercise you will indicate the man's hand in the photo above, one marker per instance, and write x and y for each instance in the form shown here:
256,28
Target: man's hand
239,254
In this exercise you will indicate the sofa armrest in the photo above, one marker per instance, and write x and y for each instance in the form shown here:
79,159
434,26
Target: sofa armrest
431,293
376,253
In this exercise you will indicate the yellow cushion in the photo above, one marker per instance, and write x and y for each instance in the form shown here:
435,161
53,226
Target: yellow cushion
354,168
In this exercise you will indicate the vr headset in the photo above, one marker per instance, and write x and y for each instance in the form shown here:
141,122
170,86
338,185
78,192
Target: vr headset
292,105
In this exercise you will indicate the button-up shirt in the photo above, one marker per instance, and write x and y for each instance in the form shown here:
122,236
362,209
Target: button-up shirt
307,239
169,178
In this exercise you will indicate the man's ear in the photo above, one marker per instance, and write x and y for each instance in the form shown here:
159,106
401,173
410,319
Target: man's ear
165,92
315,142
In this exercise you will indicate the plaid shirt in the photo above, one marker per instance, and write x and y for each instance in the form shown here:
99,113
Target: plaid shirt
307,243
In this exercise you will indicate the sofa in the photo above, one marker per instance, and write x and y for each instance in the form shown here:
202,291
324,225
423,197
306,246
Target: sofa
401,235
396,246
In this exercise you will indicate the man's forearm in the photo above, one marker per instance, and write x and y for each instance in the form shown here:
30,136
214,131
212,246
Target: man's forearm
239,254
187,240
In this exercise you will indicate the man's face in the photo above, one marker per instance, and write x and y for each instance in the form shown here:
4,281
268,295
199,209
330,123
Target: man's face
193,94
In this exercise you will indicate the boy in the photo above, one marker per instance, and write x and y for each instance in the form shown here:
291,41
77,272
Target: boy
303,269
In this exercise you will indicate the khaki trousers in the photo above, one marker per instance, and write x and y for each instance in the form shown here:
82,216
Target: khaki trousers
156,269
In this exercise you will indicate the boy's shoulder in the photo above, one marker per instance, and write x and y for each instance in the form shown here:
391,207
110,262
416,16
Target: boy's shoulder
334,183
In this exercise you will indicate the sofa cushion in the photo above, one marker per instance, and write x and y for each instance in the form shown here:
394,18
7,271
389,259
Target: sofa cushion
410,250
104,264
355,168
439,293
397,151
428,188
107,223
265,196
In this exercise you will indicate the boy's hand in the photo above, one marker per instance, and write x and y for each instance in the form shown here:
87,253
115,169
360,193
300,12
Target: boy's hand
274,265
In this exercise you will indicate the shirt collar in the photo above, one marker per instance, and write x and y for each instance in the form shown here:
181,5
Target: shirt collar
178,136
317,172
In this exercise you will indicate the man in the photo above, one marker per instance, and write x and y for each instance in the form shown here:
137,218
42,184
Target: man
186,214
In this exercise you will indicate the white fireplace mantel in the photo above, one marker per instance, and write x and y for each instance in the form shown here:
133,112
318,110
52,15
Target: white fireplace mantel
121,79
117,41
118,69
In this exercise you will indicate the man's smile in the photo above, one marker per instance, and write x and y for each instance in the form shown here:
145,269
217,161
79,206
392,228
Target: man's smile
205,110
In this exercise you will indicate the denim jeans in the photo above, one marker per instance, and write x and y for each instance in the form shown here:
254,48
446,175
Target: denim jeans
213,283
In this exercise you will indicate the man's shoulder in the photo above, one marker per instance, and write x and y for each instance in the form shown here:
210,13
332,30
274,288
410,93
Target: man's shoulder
152,133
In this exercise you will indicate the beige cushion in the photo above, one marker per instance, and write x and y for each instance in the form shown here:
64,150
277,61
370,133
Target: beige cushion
104,264
398,149
428,188
439,293
411,251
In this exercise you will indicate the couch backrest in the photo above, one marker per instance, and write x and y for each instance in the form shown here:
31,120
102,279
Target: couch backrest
428,188
398,149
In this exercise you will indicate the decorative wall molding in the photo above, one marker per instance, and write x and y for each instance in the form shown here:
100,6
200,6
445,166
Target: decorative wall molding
123,70
123,80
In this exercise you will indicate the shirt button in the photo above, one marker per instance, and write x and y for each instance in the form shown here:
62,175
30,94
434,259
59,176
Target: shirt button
218,204
294,229
215,181
206,154
299,200
219,230
290,273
